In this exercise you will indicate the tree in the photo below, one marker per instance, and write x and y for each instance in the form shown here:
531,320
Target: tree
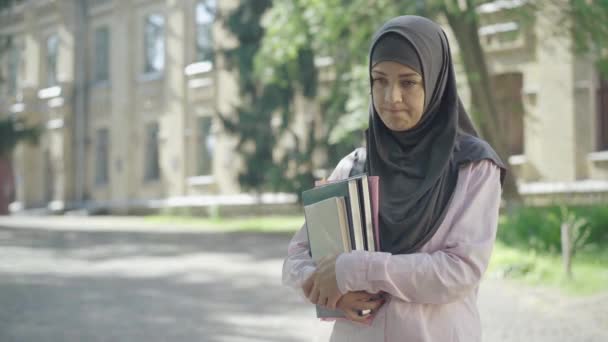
574,233
264,114
12,130
342,31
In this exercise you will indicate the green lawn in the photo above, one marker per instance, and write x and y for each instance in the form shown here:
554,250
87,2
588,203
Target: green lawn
590,269
250,224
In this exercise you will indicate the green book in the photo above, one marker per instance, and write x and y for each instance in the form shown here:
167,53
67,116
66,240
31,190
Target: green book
349,190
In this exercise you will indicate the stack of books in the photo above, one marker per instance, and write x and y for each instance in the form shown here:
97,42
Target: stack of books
342,216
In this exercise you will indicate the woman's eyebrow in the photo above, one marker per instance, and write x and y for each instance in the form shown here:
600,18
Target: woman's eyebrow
408,74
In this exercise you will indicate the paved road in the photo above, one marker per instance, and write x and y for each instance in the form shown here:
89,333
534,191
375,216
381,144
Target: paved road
67,281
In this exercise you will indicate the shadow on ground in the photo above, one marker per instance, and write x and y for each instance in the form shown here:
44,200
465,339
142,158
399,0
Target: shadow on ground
126,286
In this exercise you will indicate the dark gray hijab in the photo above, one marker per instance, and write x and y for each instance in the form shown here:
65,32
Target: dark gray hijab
418,168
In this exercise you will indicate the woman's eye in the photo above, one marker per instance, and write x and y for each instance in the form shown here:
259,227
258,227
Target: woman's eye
407,84
380,81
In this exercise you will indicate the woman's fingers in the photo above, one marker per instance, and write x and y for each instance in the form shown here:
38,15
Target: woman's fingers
371,305
360,296
353,315
307,287
332,303
329,298
314,294
358,306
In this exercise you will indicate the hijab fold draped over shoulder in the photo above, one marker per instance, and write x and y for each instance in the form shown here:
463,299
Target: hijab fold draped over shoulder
418,168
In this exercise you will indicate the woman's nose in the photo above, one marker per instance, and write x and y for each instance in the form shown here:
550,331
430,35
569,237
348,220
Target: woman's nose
393,94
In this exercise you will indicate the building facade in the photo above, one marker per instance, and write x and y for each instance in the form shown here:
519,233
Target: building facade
128,91
553,104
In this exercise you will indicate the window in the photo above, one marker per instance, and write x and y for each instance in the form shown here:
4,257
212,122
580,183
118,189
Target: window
152,168
102,54
101,157
509,104
154,43
205,15
52,55
206,144
14,67
602,115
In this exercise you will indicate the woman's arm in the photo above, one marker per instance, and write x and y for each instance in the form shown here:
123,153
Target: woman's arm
298,265
447,274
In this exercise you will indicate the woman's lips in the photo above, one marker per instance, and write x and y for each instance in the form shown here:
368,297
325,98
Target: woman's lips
394,111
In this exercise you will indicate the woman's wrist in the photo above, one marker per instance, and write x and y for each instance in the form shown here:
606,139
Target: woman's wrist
351,269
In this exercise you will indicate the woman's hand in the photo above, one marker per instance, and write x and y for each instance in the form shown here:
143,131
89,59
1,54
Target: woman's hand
321,287
354,303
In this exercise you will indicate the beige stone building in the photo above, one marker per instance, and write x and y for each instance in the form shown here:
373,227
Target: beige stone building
128,92
554,104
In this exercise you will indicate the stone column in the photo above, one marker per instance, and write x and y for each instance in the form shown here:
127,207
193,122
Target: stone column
550,136
30,166
172,122
123,182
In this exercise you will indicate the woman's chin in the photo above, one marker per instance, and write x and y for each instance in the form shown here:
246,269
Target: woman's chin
398,126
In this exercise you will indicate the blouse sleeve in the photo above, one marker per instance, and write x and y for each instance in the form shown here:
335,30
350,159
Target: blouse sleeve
447,274
298,265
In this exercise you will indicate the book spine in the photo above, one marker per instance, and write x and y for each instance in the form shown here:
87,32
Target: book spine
370,242
356,215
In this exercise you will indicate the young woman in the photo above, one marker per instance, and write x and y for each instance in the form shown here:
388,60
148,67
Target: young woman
440,188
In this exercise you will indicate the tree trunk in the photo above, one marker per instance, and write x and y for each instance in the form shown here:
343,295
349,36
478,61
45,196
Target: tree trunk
567,248
465,27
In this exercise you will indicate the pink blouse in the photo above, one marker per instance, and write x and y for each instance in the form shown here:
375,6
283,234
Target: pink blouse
432,293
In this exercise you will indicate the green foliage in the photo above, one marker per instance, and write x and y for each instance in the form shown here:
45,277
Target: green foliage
12,131
265,114
589,26
342,31
590,268
538,229
7,4
275,61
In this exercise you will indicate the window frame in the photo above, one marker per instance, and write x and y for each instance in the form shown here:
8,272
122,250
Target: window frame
97,56
102,156
152,152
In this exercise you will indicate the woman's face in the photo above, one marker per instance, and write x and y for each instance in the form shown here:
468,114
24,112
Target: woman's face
398,95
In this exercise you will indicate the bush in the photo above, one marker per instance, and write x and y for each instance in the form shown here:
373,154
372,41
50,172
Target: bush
538,228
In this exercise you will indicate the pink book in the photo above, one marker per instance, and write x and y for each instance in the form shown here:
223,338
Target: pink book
374,192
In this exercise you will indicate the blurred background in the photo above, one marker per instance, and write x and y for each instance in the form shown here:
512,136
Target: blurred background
151,104
200,112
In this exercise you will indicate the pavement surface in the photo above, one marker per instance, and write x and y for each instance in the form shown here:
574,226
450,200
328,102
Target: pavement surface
122,279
